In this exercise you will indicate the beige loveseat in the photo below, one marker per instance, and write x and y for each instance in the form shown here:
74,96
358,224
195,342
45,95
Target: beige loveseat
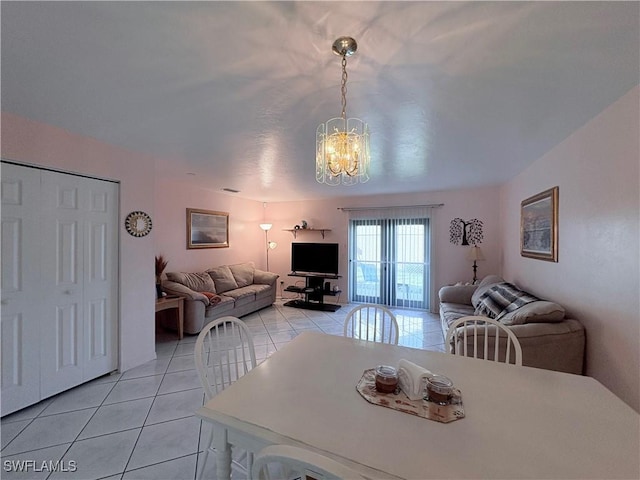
548,339
225,290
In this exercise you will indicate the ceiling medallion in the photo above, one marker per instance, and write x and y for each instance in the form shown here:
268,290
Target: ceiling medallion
138,224
342,144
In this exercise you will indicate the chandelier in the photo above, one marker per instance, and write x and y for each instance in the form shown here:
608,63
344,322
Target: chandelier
342,144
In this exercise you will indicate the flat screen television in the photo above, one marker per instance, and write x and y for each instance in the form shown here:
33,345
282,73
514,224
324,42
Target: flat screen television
316,258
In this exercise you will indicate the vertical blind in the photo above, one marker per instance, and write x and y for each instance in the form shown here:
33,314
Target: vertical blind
389,256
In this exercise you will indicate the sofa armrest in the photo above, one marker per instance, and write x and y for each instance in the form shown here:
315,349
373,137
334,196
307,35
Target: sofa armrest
457,294
264,278
176,288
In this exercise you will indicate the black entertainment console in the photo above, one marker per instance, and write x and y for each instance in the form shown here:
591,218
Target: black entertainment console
314,292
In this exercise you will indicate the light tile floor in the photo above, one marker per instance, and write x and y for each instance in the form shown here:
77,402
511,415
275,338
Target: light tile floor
141,424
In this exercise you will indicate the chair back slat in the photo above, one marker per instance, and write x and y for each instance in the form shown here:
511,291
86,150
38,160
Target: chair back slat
508,351
224,352
374,323
486,344
468,335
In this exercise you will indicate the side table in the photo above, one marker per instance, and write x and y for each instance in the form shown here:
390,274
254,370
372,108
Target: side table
177,302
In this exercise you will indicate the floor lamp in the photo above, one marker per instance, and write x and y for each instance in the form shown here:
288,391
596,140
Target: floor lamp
270,245
475,254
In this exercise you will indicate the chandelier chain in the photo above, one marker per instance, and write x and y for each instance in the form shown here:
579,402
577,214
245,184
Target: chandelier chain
344,87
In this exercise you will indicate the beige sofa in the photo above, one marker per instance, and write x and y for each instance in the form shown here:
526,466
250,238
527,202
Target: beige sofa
225,290
548,339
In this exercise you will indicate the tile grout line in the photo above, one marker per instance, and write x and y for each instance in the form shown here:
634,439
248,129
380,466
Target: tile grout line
84,426
30,421
135,444
263,319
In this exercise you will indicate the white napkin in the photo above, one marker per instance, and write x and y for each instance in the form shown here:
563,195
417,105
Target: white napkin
411,379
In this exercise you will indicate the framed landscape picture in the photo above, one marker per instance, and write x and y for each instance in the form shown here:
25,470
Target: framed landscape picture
539,226
207,229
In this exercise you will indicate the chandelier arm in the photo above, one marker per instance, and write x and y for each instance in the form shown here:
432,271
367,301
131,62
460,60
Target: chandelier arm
335,169
354,171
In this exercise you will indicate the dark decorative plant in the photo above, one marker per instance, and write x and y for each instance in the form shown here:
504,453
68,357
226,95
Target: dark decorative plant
161,264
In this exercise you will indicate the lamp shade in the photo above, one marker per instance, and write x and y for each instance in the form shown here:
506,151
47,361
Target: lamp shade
475,253
266,226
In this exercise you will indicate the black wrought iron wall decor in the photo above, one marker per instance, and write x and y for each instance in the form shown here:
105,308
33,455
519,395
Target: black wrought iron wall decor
467,232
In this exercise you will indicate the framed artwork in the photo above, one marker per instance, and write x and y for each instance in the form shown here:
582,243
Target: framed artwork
539,226
207,229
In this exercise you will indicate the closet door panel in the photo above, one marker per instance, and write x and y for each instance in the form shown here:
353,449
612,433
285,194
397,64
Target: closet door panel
21,312
101,279
62,273
59,287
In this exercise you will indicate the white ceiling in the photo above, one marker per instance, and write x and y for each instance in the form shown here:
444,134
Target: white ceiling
456,94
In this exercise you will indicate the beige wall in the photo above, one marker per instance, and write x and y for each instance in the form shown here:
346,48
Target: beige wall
597,274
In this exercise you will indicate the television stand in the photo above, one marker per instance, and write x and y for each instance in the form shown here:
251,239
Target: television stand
313,292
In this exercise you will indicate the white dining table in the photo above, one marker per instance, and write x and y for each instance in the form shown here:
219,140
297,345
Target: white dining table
520,422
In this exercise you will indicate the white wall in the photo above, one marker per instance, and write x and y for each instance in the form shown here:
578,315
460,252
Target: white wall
597,275
39,144
596,278
450,263
166,202
246,239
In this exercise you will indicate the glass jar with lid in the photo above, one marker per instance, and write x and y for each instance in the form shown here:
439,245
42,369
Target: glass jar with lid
386,379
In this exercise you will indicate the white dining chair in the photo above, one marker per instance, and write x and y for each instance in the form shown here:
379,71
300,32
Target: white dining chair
223,353
277,462
371,322
483,337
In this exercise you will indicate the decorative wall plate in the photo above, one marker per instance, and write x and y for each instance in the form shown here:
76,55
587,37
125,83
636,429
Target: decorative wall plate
138,224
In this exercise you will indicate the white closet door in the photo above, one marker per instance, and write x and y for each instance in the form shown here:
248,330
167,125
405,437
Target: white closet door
21,291
59,282
62,262
100,278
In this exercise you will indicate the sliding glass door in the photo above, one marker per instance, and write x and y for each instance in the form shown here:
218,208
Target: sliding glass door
389,261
